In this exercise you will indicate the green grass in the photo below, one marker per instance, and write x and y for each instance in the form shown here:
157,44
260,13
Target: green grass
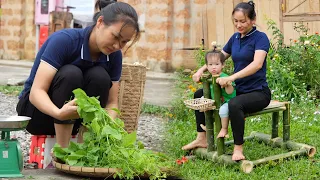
305,128
11,90
152,109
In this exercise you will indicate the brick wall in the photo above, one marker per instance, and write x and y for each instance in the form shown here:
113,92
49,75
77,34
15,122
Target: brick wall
17,29
167,30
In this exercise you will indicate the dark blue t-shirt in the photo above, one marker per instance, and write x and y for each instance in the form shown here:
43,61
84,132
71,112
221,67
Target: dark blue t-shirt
242,52
71,46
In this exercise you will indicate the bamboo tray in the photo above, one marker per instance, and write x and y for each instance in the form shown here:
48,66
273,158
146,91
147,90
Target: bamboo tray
201,104
85,171
95,172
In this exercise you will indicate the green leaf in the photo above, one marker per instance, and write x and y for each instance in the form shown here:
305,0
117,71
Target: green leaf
119,122
81,152
74,157
125,153
116,110
94,150
67,150
140,145
79,163
88,116
109,130
94,101
71,162
89,108
57,148
129,139
73,146
95,126
59,153
86,136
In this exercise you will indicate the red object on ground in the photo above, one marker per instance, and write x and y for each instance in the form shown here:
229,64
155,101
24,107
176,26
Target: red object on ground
37,150
40,149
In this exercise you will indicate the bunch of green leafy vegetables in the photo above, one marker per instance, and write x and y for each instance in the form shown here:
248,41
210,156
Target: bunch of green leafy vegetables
107,144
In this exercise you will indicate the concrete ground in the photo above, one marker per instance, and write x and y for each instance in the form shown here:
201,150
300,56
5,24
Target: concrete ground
158,91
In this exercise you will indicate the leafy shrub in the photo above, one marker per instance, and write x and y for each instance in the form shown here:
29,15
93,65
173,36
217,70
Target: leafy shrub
293,69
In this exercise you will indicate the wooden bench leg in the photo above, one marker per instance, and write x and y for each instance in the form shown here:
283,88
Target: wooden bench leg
275,124
286,123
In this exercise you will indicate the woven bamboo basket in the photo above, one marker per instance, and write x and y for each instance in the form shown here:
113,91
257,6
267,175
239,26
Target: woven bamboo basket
97,172
131,91
201,104
85,171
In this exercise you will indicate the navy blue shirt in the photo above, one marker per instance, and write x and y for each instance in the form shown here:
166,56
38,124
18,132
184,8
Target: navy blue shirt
71,46
242,52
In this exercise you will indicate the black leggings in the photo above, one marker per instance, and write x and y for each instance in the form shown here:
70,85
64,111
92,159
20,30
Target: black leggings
238,106
94,81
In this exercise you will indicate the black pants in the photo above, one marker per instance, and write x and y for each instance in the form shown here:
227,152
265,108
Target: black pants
238,106
94,81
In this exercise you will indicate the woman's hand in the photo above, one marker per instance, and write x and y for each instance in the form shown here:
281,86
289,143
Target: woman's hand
68,111
196,77
225,81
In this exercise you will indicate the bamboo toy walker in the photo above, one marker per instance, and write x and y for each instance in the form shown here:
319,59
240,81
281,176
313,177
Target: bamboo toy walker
216,153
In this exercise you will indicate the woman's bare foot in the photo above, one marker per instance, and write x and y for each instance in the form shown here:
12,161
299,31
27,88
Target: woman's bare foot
223,133
238,153
201,141
195,144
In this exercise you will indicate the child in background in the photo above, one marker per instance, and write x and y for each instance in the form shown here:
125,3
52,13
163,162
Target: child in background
215,63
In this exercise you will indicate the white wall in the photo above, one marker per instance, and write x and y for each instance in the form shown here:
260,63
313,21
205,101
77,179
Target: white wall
83,7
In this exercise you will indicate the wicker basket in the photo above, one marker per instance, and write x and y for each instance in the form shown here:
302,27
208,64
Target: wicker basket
131,91
201,104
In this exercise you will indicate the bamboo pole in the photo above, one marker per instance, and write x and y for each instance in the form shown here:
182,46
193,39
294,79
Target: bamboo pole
208,118
228,143
277,109
278,142
213,156
217,119
275,124
286,123
247,166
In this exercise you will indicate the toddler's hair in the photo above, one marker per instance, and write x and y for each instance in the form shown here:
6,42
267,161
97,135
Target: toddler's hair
215,52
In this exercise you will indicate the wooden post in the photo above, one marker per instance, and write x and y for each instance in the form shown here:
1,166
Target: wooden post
281,11
208,118
217,119
275,124
286,123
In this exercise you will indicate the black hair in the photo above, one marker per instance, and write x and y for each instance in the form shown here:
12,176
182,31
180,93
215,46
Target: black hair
247,9
113,12
103,3
215,52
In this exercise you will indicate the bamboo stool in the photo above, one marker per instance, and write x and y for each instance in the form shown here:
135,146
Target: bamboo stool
216,153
